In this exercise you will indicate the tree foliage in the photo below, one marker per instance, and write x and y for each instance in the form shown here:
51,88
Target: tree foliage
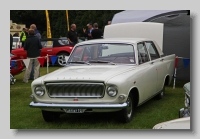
58,20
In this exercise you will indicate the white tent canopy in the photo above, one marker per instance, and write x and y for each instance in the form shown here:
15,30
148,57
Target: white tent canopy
141,15
176,33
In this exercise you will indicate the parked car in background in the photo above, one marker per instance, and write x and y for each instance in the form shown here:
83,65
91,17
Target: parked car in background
183,122
65,41
52,47
106,75
185,112
179,123
18,66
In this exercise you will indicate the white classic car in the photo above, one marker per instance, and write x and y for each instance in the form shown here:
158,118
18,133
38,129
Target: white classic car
183,122
106,75
179,123
185,112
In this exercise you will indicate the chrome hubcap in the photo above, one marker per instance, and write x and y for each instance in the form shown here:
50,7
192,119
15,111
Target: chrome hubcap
129,107
61,60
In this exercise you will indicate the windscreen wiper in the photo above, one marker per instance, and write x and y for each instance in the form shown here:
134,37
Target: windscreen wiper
79,62
100,61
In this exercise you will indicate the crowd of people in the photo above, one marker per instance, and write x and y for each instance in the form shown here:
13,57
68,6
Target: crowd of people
92,32
30,39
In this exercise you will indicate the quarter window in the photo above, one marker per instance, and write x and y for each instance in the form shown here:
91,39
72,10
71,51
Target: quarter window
142,53
152,50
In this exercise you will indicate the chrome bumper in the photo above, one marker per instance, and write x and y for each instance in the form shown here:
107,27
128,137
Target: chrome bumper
79,106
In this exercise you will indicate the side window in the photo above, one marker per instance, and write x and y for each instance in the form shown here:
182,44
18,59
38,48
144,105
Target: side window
47,44
152,50
142,53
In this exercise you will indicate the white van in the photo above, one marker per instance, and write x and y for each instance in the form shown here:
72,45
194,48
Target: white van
16,43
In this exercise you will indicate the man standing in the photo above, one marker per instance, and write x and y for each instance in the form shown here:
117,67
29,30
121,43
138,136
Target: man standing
32,46
37,34
23,36
96,32
72,35
88,33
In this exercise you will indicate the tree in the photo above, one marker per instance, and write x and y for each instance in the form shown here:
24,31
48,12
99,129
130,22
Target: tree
58,19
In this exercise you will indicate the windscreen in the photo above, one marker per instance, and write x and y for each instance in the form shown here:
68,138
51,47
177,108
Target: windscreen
104,53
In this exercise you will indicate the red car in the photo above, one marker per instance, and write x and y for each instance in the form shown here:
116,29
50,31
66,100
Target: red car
17,66
51,46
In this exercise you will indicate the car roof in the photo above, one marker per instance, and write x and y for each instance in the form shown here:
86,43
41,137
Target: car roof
115,40
120,40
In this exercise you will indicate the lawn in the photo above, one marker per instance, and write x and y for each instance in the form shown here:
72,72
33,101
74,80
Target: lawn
145,116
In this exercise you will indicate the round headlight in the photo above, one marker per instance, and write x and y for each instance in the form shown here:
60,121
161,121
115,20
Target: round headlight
39,91
112,91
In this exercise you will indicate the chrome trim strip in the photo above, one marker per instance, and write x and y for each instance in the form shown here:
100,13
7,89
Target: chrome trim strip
88,106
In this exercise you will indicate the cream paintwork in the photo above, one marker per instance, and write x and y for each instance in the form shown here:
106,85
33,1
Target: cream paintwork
153,31
123,76
180,123
148,78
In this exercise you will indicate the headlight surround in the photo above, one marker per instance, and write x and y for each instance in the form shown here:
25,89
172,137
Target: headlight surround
39,91
112,91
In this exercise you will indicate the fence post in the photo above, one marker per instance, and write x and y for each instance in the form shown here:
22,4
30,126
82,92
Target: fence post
47,64
175,66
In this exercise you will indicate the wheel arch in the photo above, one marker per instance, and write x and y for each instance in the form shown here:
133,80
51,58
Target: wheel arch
63,52
167,80
135,93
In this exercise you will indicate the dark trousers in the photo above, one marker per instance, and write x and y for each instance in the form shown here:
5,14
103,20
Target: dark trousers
23,44
32,72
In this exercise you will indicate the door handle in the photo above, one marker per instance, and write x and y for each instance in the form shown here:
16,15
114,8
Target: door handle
152,62
49,50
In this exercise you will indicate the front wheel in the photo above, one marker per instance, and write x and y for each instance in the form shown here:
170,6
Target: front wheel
61,59
126,114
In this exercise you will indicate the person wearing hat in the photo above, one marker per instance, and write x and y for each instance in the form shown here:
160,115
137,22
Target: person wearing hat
88,33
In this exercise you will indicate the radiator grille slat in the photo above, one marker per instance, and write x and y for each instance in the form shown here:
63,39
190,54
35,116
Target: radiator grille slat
75,89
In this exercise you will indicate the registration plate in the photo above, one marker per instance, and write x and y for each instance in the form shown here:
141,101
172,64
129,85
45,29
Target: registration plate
74,110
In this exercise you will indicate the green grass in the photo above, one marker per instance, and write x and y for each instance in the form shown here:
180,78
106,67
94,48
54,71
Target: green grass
145,116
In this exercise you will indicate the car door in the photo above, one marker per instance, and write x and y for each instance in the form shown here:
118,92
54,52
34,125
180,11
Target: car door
47,48
148,69
158,63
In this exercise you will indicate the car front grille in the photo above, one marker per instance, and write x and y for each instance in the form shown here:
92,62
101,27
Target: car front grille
75,89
